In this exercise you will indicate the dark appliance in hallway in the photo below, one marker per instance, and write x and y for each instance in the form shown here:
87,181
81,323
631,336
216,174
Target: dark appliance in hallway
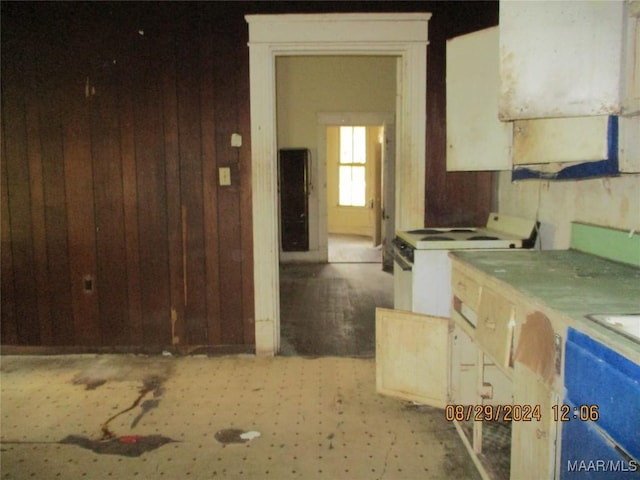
293,184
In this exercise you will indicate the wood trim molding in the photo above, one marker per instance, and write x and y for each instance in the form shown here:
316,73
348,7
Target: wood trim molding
401,35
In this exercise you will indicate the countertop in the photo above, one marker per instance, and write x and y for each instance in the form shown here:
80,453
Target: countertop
572,283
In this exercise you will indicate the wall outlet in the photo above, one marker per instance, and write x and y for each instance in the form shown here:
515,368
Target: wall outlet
224,176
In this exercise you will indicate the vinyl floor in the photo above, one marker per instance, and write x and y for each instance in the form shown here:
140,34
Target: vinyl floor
312,413
232,417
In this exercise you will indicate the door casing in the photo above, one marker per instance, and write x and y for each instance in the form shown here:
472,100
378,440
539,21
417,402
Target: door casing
398,34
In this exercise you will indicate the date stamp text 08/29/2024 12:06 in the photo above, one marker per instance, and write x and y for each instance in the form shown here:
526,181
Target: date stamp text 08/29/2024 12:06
520,413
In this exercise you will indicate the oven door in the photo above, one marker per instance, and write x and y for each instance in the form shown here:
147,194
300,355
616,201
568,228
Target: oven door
402,282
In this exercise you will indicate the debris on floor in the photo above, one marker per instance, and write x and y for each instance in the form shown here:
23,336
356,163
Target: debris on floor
150,384
128,445
250,435
97,375
234,435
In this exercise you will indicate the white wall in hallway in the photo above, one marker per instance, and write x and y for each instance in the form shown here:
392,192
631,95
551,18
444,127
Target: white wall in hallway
309,85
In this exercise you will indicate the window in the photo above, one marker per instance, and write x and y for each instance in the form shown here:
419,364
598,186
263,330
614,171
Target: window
353,157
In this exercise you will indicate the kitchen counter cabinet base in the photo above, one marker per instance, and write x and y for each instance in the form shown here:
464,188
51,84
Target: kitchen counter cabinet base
551,293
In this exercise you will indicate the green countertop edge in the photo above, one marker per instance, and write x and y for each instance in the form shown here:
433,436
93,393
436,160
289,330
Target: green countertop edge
617,245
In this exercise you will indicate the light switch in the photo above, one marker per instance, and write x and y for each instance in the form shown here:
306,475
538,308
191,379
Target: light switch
224,176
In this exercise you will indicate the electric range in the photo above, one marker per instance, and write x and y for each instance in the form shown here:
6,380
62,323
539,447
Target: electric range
422,268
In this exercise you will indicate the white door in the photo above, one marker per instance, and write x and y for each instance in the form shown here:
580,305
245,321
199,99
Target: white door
412,356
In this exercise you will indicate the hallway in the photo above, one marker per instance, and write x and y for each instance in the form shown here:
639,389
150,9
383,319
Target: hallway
329,309
353,249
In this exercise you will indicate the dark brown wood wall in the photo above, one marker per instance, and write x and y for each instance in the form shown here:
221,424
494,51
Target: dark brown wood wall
115,119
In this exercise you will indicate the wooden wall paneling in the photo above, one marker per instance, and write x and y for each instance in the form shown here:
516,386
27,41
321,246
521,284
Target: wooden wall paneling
246,208
111,274
230,262
152,197
8,325
230,242
210,186
80,209
174,207
58,264
452,198
130,202
435,167
173,131
19,205
38,223
191,178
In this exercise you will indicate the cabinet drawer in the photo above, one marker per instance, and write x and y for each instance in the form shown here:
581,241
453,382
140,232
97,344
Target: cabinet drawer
466,289
494,332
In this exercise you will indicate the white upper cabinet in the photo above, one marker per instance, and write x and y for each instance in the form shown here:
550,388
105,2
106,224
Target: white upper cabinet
568,58
629,153
476,139
560,140
631,79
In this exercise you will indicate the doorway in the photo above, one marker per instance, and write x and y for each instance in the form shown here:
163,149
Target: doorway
400,35
360,230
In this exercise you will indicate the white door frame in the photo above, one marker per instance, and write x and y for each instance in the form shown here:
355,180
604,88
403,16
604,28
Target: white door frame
403,35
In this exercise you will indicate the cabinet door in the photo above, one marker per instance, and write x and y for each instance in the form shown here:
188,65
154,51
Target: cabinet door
558,59
412,356
476,139
573,148
464,369
601,378
629,157
532,442
551,140
631,102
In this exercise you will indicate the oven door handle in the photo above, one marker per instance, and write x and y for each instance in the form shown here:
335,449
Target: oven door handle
402,263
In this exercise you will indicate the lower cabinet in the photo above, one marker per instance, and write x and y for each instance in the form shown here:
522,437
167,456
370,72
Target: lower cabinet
533,436
531,397
491,367
600,416
433,361
479,391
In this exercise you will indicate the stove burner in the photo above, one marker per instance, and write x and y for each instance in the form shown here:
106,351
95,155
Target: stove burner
436,238
434,231
425,231
482,237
